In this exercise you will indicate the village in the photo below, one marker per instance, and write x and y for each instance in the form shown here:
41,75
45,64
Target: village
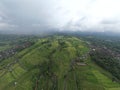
14,50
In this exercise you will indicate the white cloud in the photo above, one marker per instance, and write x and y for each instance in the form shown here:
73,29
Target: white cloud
63,14
6,26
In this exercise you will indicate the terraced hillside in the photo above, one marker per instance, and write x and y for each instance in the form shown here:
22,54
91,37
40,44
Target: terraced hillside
54,63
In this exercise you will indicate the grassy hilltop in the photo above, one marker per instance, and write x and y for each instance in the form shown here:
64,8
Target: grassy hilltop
54,63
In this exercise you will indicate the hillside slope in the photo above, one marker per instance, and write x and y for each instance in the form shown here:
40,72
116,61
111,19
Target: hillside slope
54,63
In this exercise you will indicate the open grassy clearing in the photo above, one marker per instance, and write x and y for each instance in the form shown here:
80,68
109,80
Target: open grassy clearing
4,47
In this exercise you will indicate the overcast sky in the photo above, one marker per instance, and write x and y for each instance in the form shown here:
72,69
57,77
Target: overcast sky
38,15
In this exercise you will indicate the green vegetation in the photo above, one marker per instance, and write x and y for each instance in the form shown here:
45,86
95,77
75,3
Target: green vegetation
54,63
107,61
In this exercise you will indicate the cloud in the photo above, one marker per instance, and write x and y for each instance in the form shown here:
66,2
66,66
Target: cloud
31,15
6,26
110,21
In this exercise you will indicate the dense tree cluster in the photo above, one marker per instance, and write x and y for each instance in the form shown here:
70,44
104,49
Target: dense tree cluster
107,61
105,51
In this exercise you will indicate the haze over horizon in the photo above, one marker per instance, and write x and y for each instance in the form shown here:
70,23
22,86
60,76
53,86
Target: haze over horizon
23,16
